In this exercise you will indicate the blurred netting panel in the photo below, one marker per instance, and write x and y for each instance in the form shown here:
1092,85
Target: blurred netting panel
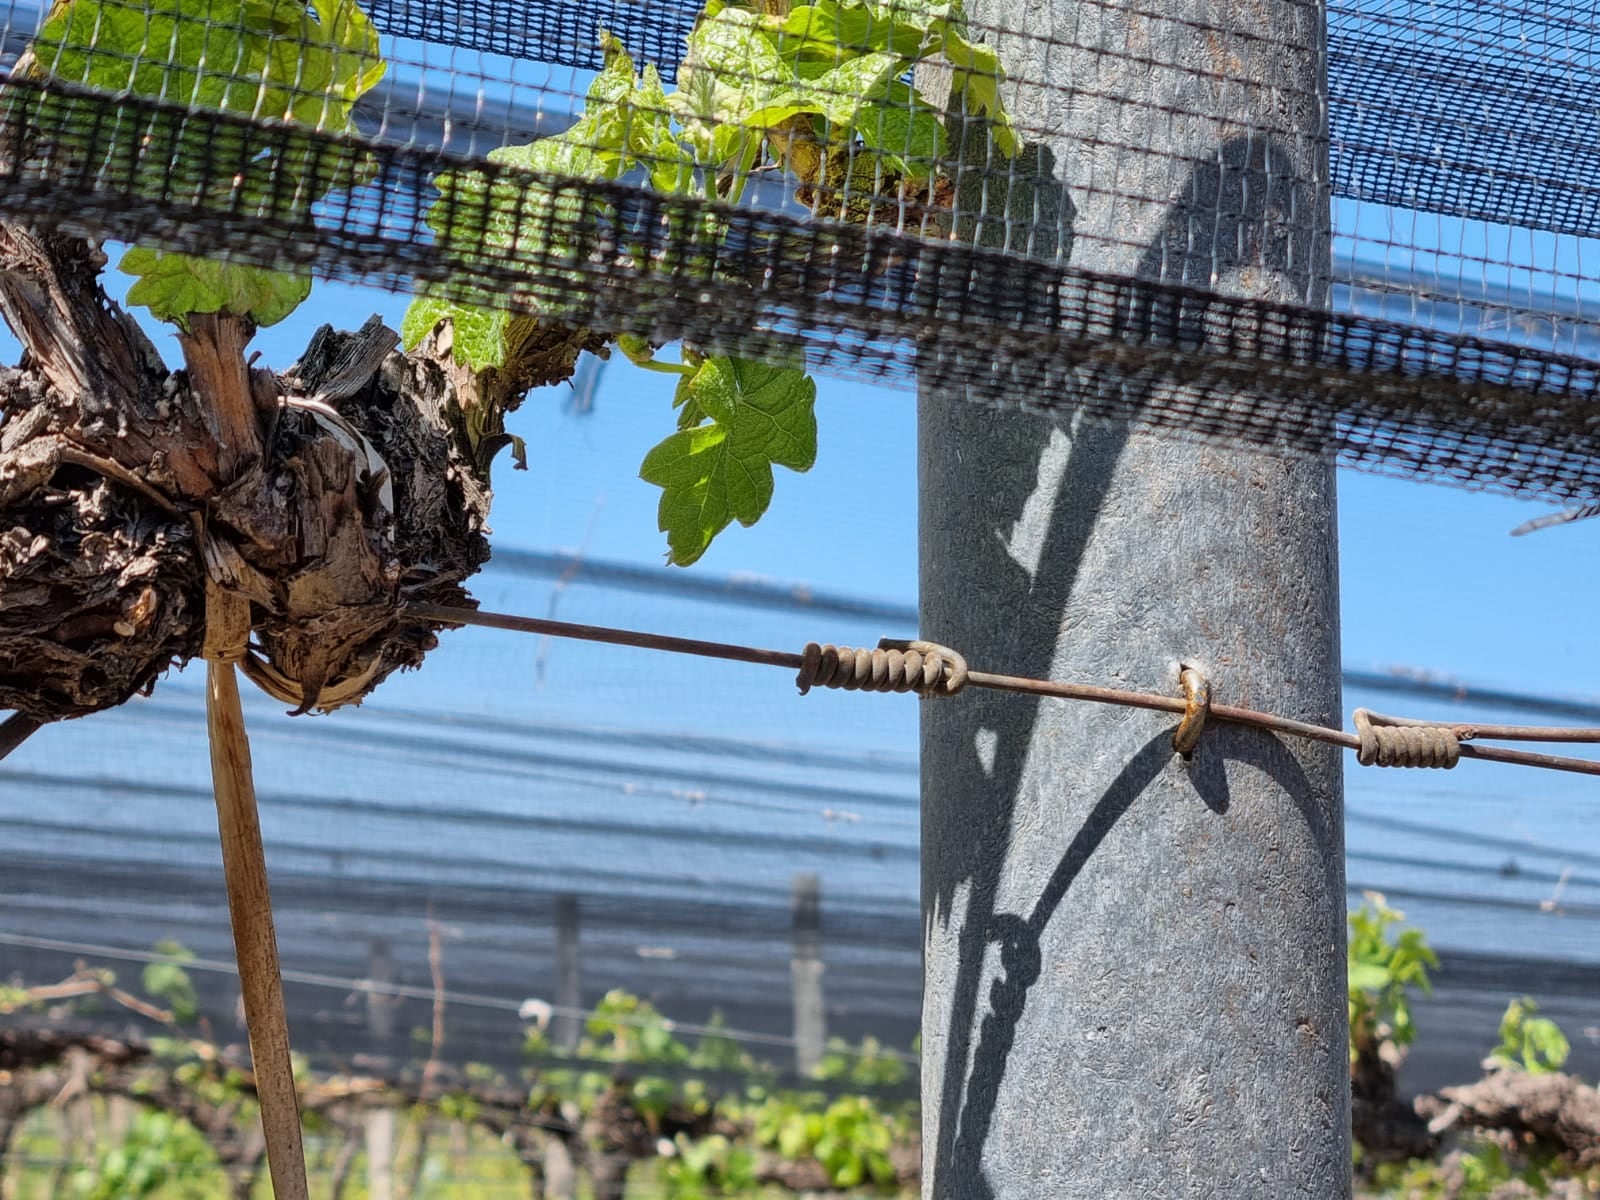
525,826
561,818
904,190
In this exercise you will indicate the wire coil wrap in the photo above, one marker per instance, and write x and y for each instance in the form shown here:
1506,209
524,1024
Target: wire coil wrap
926,668
1423,743
1386,745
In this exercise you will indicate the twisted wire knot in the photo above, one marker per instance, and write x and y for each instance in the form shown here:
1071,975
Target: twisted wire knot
1396,745
926,668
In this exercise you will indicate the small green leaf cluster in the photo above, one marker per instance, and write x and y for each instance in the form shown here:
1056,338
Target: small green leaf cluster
869,1066
622,1029
850,1137
14,997
459,1106
1479,1167
849,58
170,983
300,64
159,1152
626,1029
1528,1043
215,1086
1383,968
1488,1166
737,419
702,1168
819,91
716,1051
208,1077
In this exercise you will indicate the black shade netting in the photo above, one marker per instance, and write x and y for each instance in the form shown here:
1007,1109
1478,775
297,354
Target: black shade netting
883,191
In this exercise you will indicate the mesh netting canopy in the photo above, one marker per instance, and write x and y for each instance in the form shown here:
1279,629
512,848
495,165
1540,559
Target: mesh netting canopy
896,192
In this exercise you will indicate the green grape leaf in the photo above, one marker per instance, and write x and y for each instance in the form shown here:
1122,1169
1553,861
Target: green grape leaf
303,65
904,131
716,473
477,333
270,60
731,69
604,128
564,155
836,94
325,64
617,80
650,138
978,78
831,33
924,13
779,109
835,30
357,61
175,286
158,48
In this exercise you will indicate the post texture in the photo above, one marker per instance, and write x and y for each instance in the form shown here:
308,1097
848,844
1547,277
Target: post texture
1135,975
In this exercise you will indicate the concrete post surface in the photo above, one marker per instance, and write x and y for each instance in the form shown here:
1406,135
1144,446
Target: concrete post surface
1135,975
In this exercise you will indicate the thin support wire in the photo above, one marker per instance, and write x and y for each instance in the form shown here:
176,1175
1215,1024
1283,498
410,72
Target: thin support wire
869,670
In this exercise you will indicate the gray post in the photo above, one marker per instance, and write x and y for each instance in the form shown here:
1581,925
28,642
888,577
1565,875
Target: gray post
567,1026
1134,964
379,1127
566,1031
805,972
380,1005
379,1124
560,1170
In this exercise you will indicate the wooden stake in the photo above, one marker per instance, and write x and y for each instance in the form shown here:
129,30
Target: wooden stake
244,866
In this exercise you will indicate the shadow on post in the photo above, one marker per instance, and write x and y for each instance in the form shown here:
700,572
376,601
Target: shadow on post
1244,210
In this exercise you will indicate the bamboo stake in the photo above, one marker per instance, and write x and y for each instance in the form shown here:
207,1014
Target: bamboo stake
255,944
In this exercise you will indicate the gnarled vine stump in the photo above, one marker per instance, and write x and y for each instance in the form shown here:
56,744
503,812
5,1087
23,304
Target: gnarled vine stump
318,501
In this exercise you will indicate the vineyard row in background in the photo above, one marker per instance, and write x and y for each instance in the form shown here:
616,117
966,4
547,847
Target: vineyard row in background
634,1110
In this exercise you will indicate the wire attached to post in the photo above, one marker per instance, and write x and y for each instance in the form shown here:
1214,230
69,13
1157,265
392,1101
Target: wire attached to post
1392,741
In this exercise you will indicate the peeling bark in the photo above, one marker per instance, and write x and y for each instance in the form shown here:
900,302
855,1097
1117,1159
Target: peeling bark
99,590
